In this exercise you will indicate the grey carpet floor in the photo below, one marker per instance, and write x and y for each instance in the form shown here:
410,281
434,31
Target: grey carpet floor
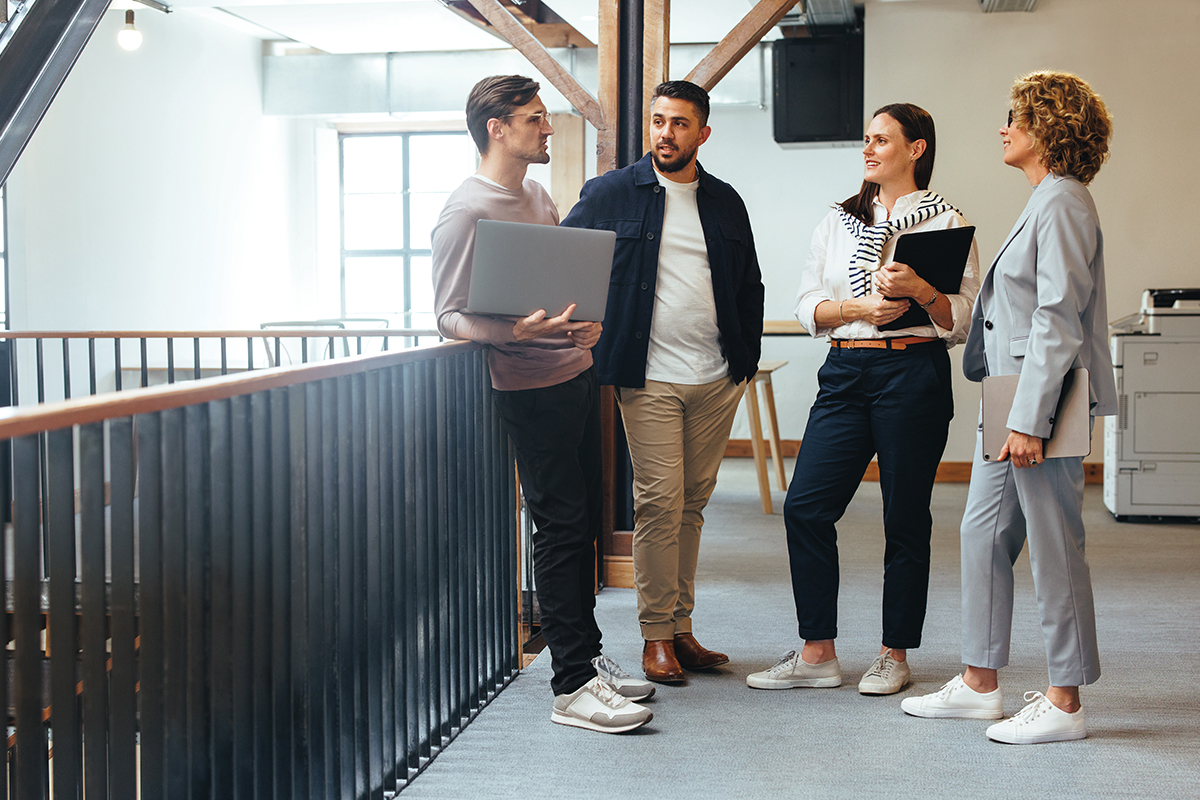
715,737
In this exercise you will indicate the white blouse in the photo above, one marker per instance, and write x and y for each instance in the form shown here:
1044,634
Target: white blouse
826,275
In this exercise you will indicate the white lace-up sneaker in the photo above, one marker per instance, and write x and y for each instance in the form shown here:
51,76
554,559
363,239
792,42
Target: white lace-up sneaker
956,699
1040,721
793,672
597,707
886,675
624,684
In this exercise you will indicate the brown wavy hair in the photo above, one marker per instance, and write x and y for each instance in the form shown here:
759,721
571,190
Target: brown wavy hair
915,123
1068,122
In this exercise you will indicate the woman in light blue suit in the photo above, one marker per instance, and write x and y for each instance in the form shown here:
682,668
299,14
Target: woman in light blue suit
1041,312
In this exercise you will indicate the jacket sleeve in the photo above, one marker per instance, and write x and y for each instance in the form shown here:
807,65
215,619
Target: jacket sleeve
582,214
1067,238
751,294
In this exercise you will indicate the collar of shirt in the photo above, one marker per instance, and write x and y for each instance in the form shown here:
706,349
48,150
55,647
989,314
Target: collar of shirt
903,205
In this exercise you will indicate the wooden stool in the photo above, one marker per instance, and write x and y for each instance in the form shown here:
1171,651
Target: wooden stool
763,378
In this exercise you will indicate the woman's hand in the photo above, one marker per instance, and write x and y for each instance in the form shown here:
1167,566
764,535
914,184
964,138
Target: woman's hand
1023,449
899,280
875,309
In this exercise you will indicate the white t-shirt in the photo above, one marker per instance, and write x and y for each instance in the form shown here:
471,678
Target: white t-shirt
685,343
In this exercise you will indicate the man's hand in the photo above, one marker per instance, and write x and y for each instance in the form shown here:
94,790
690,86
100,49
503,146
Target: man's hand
899,280
876,309
1023,449
585,338
538,324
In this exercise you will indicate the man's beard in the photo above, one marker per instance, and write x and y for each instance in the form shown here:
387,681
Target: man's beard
680,163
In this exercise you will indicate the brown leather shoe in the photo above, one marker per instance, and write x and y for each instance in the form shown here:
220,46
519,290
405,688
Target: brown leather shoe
693,655
659,662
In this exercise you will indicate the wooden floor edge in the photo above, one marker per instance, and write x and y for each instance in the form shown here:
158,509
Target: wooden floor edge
948,471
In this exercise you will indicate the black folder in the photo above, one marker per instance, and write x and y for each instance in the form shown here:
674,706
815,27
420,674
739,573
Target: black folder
940,257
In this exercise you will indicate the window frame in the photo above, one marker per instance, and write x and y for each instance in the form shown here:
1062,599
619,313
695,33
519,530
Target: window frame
406,253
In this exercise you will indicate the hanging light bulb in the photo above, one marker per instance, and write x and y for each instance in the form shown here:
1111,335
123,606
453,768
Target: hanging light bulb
129,37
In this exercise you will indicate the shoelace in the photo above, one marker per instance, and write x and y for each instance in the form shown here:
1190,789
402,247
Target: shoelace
879,667
950,686
1037,705
608,695
786,662
611,667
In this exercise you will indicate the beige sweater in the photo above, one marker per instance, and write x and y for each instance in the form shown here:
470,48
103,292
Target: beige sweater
545,361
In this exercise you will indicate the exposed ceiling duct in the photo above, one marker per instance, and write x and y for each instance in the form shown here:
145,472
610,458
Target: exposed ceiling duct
829,14
1007,5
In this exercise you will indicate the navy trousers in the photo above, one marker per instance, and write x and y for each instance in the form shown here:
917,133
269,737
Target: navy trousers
556,433
894,403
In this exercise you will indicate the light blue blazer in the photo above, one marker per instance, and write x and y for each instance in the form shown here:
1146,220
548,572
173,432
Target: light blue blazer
1042,311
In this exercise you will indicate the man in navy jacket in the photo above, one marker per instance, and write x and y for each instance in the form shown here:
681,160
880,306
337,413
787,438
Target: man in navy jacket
681,334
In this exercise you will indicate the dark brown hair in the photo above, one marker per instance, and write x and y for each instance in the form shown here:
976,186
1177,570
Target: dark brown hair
1068,122
685,90
915,123
494,98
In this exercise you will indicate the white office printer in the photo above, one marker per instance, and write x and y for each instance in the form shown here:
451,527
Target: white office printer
1152,446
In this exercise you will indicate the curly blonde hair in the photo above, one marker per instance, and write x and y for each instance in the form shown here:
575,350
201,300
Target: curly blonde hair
1068,122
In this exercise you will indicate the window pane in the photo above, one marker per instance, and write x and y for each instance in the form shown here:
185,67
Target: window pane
421,291
374,222
374,286
424,208
372,164
439,163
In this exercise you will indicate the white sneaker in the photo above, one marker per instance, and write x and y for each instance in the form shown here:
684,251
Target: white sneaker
956,699
624,684
597,707
793,672
1040,721
886,675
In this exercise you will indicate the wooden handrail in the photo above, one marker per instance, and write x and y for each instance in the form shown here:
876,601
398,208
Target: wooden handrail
269,333
23,421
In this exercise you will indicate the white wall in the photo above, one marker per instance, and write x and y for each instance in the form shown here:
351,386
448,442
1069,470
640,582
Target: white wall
1140,56
155,194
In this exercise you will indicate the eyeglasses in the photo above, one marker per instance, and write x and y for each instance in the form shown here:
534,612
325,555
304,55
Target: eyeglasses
1010,119
535,119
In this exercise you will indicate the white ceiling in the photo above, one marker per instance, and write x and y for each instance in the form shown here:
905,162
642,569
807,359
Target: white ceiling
364,26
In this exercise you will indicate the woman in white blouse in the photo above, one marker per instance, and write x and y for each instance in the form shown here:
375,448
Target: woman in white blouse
882,392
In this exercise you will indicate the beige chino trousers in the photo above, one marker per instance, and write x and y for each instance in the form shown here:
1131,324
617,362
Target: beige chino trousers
677,435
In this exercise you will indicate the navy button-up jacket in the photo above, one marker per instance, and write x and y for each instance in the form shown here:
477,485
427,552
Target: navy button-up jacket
631,202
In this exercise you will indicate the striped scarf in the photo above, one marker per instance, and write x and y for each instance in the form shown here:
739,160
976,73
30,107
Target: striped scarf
872,238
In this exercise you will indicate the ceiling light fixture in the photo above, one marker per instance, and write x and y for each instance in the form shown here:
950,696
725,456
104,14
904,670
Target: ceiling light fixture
129,37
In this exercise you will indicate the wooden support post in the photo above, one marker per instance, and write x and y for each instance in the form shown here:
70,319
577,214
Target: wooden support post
656,54
567,153
739,41
609,59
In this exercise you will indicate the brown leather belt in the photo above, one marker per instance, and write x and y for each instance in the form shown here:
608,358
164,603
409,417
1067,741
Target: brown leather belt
896,343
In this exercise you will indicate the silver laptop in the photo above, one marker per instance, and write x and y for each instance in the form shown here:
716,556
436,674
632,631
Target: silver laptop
1072,432
519,268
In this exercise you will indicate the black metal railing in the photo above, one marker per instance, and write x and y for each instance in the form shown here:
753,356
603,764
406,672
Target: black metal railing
48,366
298,583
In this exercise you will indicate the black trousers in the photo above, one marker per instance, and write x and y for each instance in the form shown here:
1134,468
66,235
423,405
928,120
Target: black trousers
896,403
556,432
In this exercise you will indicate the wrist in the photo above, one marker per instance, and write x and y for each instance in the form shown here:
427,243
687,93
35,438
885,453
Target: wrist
932,299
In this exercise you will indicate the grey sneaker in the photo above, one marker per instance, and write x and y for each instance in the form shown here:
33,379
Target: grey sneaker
886,675
597,707
793,672
956,699
622,682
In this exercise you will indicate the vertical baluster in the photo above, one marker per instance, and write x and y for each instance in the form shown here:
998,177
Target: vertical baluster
309,482
92,365
387,585
373,597
346,650
66,355
331,581
117,362
93,618
30,758
196,358
244,612
303,654
249,353
175,604
286,754
263,593
122,745
220,503
41,372
63,644
224,356
426,678
278,362
303,349
414,699
170,360
358,565
441,559
152,653
145,367
12,368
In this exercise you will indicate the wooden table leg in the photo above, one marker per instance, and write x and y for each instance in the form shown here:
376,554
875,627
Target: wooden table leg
760,459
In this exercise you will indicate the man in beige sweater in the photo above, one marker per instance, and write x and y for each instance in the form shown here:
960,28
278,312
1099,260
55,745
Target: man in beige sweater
545,388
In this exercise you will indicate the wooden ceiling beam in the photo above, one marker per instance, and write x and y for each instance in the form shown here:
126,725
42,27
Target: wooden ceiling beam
519,37
739,41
